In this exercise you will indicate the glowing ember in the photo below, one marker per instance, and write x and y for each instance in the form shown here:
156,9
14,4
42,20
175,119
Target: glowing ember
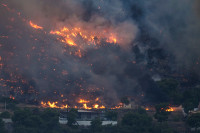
35,26
97,99
83,101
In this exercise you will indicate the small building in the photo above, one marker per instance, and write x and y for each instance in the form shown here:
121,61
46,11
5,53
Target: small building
132,104
85,117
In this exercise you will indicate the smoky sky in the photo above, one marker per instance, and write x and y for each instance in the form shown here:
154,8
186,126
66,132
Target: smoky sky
153,36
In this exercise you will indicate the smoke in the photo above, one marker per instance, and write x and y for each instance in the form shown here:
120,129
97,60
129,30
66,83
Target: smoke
176,25
152,37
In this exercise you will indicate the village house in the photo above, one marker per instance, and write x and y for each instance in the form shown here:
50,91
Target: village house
85,117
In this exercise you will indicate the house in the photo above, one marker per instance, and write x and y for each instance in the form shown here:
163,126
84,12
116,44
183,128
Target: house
132,104
85,117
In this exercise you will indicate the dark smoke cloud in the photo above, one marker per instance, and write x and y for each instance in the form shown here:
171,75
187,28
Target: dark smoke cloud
175,24
147,30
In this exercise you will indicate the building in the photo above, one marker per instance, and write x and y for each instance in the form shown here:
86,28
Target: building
85,117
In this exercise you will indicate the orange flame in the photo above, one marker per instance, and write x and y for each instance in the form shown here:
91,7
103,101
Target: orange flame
171,109
69,36
35,26
86,107
96,106
118,107
53,105
83,101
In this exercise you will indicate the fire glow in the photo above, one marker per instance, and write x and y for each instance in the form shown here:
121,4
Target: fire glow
53,105
35,26
74,37
65,106
70,35
79,38
170,109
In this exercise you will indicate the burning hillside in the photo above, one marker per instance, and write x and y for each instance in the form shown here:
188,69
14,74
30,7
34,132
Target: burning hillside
43,64
83,54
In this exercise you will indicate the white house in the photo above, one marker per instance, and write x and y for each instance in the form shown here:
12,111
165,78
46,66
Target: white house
85,117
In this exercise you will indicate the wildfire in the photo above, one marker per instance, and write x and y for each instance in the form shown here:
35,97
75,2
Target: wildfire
86,107
69,36
171,109
53,105
83,101
96,106
118,107
77,37
35,26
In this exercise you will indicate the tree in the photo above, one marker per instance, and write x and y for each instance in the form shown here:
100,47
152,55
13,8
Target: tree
111,115
161,112
35,121
2,127
96,125
136,122
191,99
5,114
194,120
71,117
162,128
171,92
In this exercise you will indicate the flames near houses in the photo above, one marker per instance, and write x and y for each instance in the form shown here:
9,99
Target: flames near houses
86,55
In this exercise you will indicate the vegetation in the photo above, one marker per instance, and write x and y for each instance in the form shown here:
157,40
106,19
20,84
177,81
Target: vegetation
191,99
5,114
46,121
33,121
161,112
96,125
111,115
71,117
170,91
2,127
137,122
194,120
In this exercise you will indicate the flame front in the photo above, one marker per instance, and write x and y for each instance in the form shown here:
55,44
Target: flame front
70,36
53,105
80,38
83,102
